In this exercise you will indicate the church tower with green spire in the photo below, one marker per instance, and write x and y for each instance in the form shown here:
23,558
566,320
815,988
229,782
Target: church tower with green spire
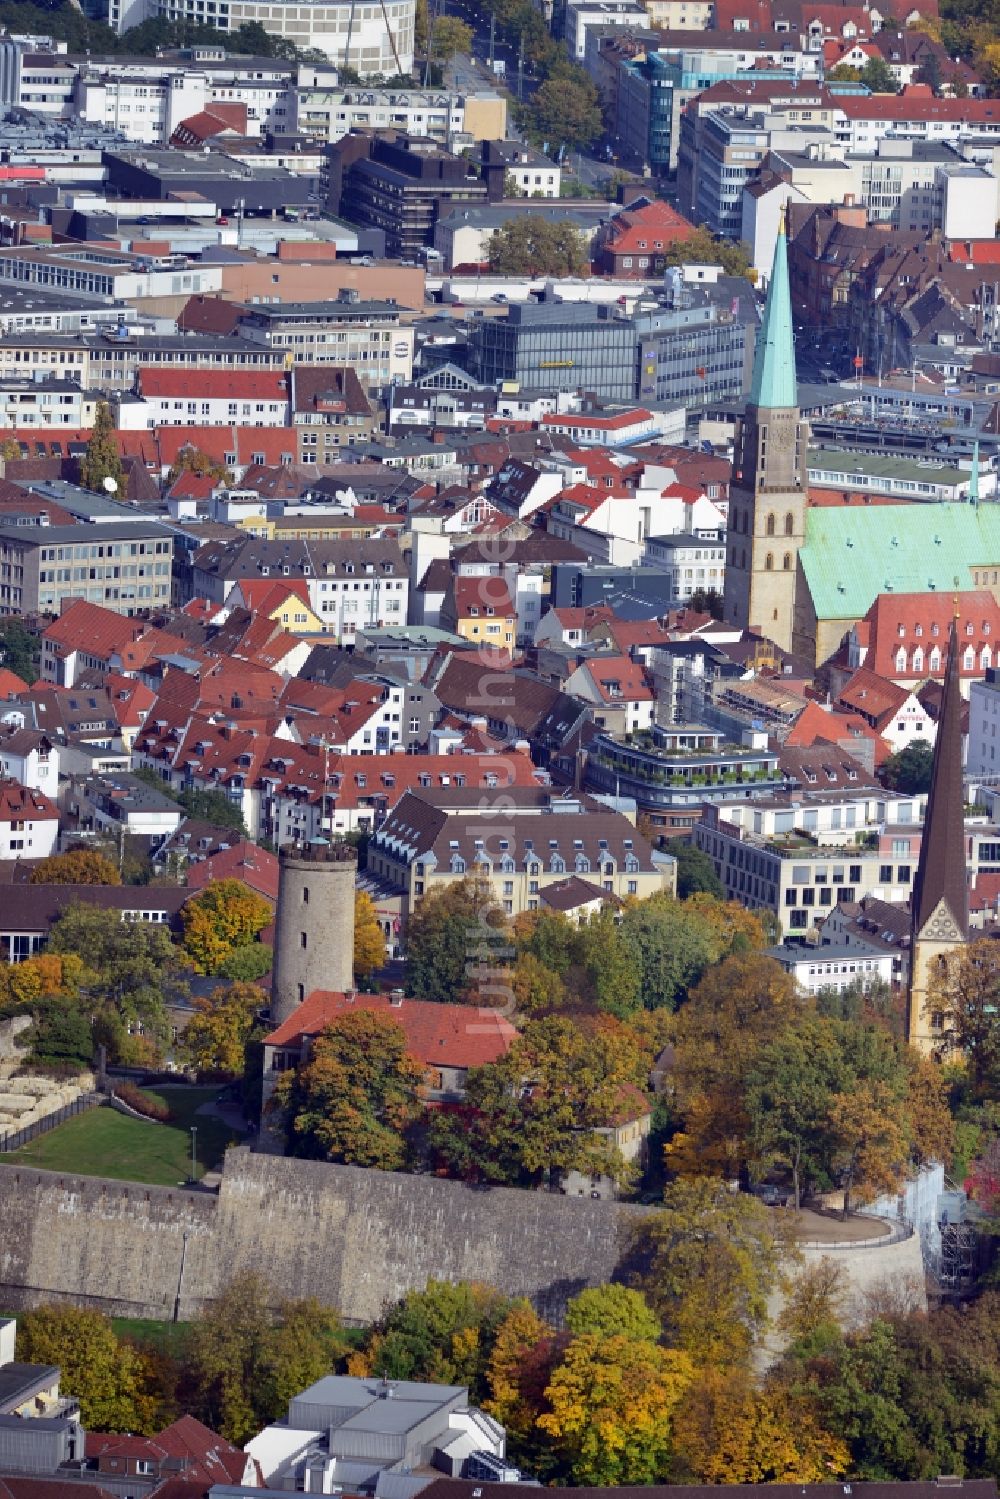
768,496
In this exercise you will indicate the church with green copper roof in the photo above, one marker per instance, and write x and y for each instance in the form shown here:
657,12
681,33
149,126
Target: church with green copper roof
803,574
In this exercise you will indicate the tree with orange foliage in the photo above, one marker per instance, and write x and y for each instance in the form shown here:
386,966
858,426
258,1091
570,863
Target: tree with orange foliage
355,1099
80,866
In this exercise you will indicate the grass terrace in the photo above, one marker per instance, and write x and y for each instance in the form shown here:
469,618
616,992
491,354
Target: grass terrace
102,1142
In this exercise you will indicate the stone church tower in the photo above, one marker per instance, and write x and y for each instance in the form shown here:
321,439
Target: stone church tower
768,496
939,905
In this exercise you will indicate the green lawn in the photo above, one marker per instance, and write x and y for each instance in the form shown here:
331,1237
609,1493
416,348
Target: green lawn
102,1142
161,1337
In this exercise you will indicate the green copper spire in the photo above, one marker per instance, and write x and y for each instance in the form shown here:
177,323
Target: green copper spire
974,477
773,382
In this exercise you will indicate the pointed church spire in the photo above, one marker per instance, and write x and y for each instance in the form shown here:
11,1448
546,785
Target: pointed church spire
941,880
773,384
974,476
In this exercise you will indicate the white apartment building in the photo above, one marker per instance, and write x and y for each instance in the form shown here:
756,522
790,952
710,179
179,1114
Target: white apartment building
834,965
322,110
604,15
46,401
800,855
983,755
107,273
27,755
693,562
149,109
368,37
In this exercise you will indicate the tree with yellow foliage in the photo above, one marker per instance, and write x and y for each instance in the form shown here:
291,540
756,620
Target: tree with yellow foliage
713,1259
369,943
222,917
518,1371
611,1408
729,1431
215,1038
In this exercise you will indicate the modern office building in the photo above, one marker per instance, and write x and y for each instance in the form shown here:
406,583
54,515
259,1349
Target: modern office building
375,37
672,353
367,337
563,346
400,186
124,566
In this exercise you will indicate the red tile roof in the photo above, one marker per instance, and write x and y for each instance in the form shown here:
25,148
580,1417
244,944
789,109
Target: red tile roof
482,594
232,385
621,671
900,624
656,224
252,866
268,594
916,102
976,251
20,804
593,419
10,684
130,699
436,1034
873,696
85,626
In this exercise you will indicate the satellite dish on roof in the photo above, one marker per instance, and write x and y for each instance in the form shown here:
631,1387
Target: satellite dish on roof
111,485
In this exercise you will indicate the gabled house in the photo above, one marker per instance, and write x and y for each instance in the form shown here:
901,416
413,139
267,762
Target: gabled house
896,713
617,690
439,1036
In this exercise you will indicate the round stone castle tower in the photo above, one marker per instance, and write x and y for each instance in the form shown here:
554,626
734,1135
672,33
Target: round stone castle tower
314,923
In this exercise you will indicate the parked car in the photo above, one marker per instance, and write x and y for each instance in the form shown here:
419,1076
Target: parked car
770,1195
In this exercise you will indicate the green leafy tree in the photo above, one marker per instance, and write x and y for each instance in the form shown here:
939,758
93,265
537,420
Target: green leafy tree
673,945
444,1334
702,248
60,1036
449,36
19,650
549,937
108,1376
695,872
613,1311
247,964
450,933
102,459
535,1114
214,807
131,967
909,771
355,1099
612,964
789,1091
244,1361
879,77
530,245
565,108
